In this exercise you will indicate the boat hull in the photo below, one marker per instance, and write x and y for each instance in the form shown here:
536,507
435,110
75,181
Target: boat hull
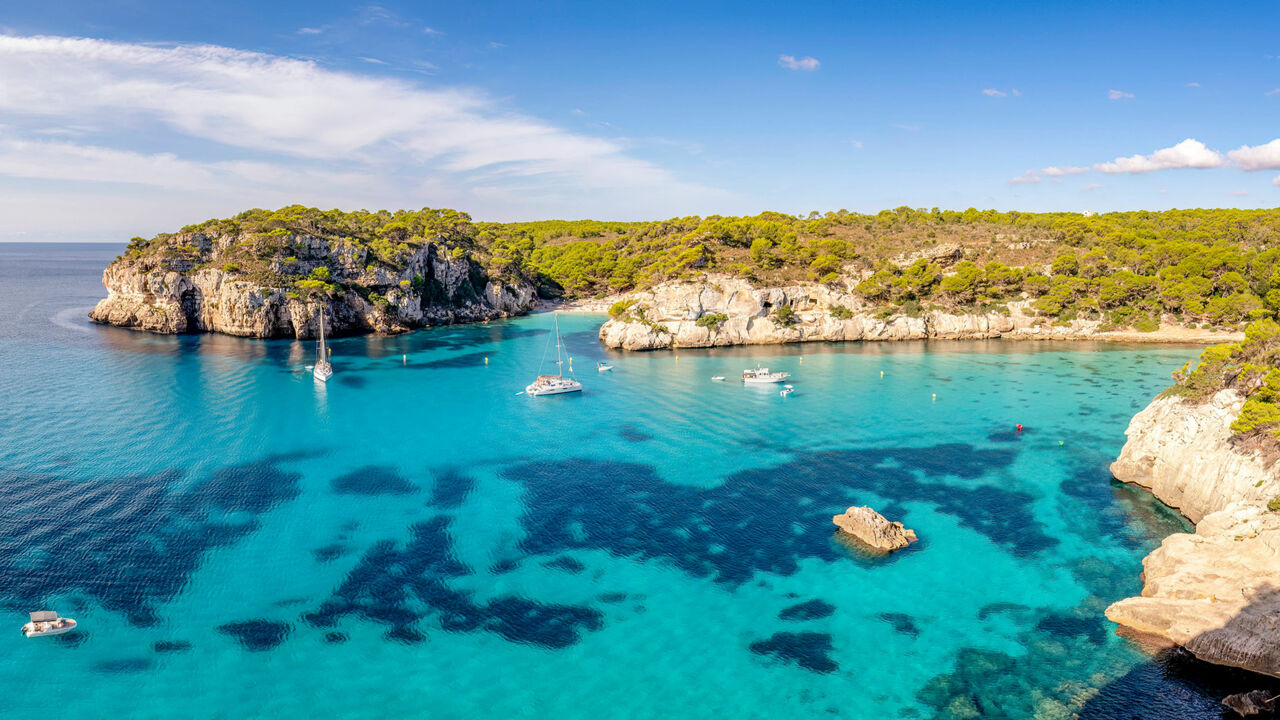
531,390
763,381
30,629
323,372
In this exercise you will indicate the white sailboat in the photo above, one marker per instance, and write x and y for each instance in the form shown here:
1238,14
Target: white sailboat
323,369
556,384
762,376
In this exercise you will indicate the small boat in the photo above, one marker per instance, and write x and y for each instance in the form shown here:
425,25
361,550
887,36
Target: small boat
717,378
603,366
556,384
323,370
761,375
47,622
786,390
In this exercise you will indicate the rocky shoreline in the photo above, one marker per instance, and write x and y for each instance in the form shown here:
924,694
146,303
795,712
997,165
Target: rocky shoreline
190,289
1216,591
724,311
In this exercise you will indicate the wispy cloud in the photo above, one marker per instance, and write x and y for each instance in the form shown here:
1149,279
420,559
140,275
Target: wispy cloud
1273,92
1055,171
315,134
909,127
1118,94
310,31
1090,187
1257,157
1239,193
432,31
992,92
1029,177
857,144
792,62
373,60
1193,84
1187,154
1276,181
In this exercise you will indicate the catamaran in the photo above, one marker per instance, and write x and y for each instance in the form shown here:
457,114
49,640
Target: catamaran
555,384
323,369
761,375
47,622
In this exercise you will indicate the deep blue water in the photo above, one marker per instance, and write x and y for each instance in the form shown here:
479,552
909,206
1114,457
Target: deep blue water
417,540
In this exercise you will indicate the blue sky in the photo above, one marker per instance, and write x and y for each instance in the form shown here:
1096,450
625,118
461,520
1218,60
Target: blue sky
120,118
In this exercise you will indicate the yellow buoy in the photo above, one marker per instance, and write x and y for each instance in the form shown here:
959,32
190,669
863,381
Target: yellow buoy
486,361
935,397
881,373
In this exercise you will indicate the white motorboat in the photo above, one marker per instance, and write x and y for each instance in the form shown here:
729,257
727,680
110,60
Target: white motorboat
762,376
786,390
603,367
556,384
717,378
323,369
47,622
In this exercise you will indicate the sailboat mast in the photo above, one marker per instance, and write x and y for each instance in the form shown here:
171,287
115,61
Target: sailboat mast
559,363
321,349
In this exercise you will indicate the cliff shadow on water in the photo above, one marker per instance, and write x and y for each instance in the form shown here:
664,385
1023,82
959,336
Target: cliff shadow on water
1176,685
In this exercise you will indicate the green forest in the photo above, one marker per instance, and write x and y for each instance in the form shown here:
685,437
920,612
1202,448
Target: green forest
1219,268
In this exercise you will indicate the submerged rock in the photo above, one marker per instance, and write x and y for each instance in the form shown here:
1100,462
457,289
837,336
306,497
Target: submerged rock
874,529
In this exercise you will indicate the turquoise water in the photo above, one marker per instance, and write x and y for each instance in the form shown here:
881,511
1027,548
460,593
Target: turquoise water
417,539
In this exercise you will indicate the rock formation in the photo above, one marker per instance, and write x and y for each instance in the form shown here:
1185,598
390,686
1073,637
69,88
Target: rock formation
1215,592
874,529
669,315
1183,453
189,289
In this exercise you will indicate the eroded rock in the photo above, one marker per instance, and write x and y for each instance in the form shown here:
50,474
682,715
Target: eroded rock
874,529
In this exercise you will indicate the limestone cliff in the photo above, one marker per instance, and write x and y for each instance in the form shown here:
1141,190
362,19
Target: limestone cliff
185,286
687,314
1217,591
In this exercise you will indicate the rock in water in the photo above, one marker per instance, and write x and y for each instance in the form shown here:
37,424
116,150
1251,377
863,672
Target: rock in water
874,529
1251,703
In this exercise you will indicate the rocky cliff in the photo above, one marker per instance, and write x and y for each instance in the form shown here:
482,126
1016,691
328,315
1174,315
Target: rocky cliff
731,311
1217,591
188,285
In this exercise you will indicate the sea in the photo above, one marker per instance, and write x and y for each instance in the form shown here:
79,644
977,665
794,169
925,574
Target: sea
417,538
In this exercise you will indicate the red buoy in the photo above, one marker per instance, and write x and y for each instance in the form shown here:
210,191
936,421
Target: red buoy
1019,427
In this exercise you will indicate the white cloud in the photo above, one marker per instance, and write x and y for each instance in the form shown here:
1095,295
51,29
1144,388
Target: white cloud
992,92
1118,94
1029,177
373,60
310,31
791,62
431,31
1056,171
1276,181
1258,157
1187,154
857,144
1273,92
1239,193
1163,191
1016,92
320,134
1090,187
1193,84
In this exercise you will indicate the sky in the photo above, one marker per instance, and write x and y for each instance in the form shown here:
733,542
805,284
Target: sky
132,117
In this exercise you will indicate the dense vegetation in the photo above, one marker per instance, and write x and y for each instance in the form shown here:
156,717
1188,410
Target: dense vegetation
1252,367
1217,267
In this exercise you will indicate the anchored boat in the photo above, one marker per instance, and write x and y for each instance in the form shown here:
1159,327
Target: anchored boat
47,622
323,369
761,376
556,384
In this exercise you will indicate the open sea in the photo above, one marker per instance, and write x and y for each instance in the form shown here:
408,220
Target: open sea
416,539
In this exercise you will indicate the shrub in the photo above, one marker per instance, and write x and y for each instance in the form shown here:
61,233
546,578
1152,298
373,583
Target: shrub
785,316
712,321
840,312
1274,504
619,309
230,268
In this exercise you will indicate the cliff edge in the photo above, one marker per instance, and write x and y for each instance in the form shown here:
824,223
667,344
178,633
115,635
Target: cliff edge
1216,591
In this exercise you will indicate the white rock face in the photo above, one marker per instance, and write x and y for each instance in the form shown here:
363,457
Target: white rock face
671,312
447,290
1183,454
1217,591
